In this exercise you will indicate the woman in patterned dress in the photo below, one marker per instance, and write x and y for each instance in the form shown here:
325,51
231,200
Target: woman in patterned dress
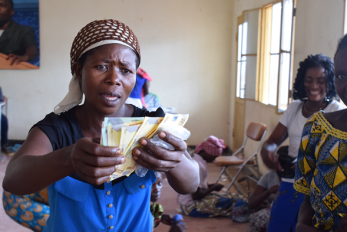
321,169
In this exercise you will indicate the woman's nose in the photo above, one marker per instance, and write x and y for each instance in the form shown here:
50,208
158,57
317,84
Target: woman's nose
315,84
113,77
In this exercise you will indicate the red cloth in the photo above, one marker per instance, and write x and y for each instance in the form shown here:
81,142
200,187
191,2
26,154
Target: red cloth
212,145
143,74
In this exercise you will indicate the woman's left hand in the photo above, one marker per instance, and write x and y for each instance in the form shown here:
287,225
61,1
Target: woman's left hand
161,159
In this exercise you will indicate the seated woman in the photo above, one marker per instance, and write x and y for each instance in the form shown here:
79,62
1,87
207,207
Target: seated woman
175,222
266,190
314,90
203,203
61,151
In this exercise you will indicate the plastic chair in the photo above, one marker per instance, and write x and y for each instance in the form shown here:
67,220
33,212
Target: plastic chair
255,131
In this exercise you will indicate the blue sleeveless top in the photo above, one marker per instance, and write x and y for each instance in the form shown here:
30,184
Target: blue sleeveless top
122,205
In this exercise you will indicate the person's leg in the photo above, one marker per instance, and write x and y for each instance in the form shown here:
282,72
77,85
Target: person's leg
285,209
25,211
4,130
210,206
259,221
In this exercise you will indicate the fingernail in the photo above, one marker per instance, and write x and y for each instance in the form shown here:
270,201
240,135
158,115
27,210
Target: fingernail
115,150
135,157
137,152
116,167
162,135
123,160
144,142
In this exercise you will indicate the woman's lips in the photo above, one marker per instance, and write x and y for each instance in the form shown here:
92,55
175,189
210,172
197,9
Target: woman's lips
111,98
314,93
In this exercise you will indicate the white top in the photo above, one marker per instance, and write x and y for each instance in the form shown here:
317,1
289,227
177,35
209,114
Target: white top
293,119
268,180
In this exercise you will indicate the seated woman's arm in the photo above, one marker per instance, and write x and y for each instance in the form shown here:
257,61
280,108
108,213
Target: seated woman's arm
36,166
201,193
259,195
181,170
305,217
269,147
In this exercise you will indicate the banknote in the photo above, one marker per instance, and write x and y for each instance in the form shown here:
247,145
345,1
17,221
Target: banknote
125,133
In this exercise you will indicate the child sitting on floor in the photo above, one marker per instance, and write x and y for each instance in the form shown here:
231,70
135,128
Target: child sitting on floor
266,192
176,222
203,203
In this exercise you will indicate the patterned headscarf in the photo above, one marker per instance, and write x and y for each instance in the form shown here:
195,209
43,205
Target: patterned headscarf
212,145
95,34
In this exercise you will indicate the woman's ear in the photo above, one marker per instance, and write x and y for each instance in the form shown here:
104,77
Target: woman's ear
78,71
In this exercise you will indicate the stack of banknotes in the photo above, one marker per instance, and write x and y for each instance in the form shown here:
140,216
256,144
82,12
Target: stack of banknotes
125,133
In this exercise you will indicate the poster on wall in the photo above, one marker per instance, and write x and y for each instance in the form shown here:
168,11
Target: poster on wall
19,34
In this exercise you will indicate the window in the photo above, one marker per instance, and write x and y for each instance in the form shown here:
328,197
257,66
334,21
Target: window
276,54
247,58
268,32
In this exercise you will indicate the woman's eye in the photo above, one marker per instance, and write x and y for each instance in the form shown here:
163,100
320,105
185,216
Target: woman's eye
102,67
341,76
126,71
160,184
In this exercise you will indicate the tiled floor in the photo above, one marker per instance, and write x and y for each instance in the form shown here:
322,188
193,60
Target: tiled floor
168,200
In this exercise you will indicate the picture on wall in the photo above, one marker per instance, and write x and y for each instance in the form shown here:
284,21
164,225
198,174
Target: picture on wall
19,34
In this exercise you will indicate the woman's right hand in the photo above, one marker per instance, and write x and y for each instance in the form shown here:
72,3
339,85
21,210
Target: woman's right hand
269,157
273,189
268,150
93,162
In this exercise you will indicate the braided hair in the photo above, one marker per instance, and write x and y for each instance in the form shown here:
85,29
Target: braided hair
313,61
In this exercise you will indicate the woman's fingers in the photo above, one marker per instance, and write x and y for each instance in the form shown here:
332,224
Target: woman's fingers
159,152
149,161
92,180
90,147
96,172
93,162
176,142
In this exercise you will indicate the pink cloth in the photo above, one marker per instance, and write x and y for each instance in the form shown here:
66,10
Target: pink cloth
187,199
212,145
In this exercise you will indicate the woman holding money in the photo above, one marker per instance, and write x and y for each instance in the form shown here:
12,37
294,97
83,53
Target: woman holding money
62,151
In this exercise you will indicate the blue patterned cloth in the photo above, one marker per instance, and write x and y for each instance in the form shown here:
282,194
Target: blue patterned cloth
31,211
321,171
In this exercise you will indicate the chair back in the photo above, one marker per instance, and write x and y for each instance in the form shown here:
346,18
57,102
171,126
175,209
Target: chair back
255,131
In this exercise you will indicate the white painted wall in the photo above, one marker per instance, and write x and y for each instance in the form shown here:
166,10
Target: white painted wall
319,26
185,46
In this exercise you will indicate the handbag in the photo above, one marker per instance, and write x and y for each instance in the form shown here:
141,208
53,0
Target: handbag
286,162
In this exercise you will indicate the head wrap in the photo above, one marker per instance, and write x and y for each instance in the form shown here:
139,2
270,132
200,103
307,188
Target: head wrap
212,145
95,34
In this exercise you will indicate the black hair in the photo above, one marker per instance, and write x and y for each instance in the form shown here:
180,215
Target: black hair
313,61
342,44
11,3
82,59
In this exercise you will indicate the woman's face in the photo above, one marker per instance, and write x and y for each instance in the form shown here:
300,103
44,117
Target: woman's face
108,77
156,189
315,84
341,74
